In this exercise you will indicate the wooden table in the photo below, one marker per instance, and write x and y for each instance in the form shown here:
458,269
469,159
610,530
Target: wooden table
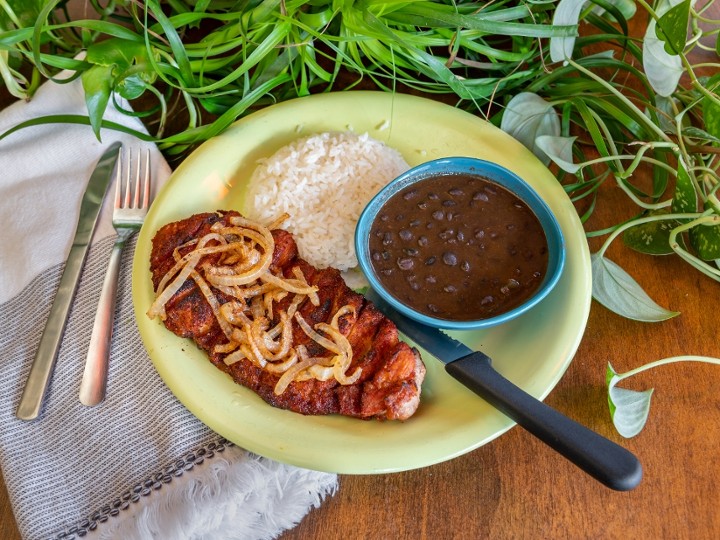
515,487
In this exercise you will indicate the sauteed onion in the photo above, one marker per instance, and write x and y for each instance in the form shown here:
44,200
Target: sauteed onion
236,261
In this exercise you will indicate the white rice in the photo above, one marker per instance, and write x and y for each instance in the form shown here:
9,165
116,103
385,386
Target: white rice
323,182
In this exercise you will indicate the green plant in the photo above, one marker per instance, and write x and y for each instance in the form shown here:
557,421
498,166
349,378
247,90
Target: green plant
222,59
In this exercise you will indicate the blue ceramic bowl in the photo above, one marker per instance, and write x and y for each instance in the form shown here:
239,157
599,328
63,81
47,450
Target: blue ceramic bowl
494,173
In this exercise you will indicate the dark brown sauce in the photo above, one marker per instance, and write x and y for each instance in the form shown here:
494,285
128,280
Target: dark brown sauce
458,247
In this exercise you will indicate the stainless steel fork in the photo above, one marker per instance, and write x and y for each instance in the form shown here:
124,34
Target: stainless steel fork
132,199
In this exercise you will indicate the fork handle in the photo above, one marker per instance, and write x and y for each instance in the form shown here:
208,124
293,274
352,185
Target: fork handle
94,381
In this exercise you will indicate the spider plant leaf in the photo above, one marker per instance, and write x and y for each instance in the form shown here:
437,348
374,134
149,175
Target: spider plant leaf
527,117
614,288
629,409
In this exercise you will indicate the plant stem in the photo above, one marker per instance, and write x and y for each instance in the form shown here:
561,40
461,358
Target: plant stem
665,361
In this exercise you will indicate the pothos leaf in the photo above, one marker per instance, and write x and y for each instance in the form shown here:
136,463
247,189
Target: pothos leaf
119,55
664,106
116,51
559,149
672,27
629,409
24,12
131,87
567,12
700,134
653,237
614,288
711,110
96,82
706,241
528,116
662,69
685,197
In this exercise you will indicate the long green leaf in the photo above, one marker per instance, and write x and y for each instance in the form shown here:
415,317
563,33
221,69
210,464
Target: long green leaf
426,16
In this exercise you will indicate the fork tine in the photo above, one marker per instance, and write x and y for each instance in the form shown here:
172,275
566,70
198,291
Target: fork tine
118,179
136,195
128,176
146,192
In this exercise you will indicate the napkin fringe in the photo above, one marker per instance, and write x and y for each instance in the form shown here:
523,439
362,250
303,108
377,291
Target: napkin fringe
145,488
214,499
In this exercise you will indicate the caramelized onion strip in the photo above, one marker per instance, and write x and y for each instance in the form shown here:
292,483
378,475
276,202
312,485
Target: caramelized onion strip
315,336
293,285
234,357
158,306
198,252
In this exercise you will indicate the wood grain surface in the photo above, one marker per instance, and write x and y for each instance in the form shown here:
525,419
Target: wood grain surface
515,487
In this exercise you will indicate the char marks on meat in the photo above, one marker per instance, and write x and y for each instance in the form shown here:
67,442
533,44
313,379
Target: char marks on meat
392,371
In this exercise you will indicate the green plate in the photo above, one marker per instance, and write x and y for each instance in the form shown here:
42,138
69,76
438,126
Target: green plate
533,351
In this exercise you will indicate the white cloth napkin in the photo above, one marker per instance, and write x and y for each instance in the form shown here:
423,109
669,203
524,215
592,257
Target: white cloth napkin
139,465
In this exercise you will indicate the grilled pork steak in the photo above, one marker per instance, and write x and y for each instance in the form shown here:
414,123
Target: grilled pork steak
389,384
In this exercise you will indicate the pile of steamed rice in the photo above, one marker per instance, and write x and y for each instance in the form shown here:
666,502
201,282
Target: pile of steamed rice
323,182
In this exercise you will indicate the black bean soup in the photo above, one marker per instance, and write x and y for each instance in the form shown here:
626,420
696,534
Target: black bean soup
458,247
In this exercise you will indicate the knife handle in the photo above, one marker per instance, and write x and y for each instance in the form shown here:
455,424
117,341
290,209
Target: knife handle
603,459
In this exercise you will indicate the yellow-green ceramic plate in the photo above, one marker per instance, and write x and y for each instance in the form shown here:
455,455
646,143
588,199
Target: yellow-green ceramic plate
533,351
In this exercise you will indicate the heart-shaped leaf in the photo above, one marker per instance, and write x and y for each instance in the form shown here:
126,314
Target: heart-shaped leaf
710,108
567,12
652,237
527,117
706,241
96,82
685,197
662,69
559,149
614,288
629,409
672,27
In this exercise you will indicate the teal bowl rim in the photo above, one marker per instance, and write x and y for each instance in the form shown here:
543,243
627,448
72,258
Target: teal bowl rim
496,173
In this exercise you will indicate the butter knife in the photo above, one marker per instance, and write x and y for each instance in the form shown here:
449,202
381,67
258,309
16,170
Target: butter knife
44,363
601,458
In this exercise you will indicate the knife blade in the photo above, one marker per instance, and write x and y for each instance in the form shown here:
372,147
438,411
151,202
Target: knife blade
44,363
604,460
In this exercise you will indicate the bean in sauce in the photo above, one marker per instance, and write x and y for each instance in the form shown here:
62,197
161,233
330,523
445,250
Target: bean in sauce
458,247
